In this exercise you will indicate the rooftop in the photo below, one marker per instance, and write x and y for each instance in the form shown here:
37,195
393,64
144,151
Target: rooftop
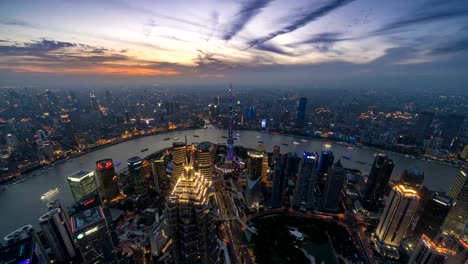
81,174
87,218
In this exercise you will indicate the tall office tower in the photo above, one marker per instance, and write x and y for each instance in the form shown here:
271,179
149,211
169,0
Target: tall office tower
191,214
412,177
433,215
301,112
397,215
455,223
304,179
57,235
422,126
461,248
107,179
377,181
264,171
179,155
135,168
278,186
160,179
253,189
204,159
23,246
333,186
325,162
93,236
230,139
291,166
451,129
428,251
82,184
276,154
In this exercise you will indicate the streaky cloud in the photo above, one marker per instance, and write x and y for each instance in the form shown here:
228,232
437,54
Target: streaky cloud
271,48
249,10
460,45
310,16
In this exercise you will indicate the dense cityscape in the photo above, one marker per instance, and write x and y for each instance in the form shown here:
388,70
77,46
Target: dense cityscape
234,132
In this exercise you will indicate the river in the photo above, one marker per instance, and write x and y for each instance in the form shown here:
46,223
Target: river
21,204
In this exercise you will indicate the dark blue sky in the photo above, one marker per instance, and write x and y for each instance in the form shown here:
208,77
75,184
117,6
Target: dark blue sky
305,43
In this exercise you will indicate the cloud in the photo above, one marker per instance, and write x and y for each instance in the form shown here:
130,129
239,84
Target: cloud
302,20
15,22
249,9
459,45
35,47
214,24
271,48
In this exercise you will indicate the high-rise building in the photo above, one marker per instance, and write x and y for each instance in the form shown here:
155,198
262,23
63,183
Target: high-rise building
230,139
205,159
306,177
412,177
377,181
137,174
333,186
433,215
301,112
428,251
421,126
160,179
276,154
23,246
451,129
179,154
82,184
107,179
278,186
57,235
191,213
93,236
325,162
254,176
456,221
397,215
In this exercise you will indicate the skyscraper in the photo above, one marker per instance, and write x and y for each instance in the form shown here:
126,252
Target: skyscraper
301,112
456,221
191,213
137,174
428,251
278,186
397,215
204,159
413,177
93,236
82,183
160,179
57,235
422,125
107,179
325,162
305,178
179,152
377,181
333,186
254,176
451,129
230,139
276,154
433,215
23,246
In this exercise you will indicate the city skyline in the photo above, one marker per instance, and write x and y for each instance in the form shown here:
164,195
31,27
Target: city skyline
304,44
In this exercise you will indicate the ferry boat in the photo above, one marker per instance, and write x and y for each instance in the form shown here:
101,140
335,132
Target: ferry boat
296,143
145,149
50,193
166,138
176,138
261,142
284,144
303,140
257,136
196,136
223,136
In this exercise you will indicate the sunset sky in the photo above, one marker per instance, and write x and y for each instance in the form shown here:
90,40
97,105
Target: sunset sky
298,42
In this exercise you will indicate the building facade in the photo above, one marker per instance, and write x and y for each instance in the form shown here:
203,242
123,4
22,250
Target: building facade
107,179
378,179
82,184
332,188
456,221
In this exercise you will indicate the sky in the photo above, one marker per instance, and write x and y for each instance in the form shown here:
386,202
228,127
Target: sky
289,43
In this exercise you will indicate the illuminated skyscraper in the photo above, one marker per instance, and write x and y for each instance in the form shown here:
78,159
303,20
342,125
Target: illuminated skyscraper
397,215
93,236
179,153
135,168
191,213
254,169
333,186
429,252
57,235
23,246
107,179
158,166
82,184
377,182
456,221
301,112
204,159
230,139
305,179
